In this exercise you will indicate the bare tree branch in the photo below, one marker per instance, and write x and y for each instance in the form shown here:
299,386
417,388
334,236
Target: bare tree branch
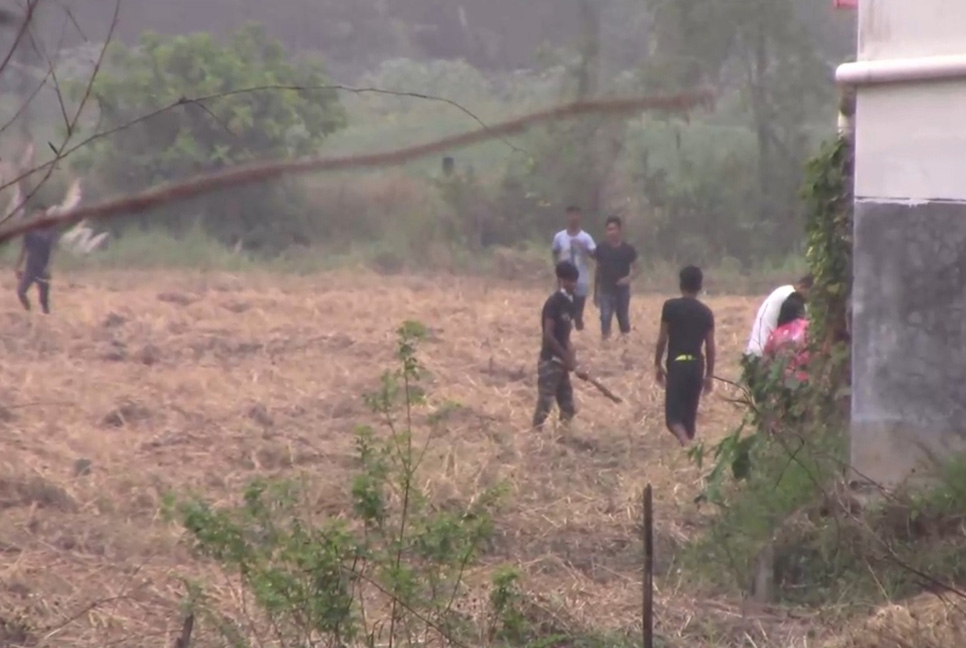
71,123
28,18
183,101
261,172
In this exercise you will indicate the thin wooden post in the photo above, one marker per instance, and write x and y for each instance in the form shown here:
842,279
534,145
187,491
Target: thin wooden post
647,531
184,640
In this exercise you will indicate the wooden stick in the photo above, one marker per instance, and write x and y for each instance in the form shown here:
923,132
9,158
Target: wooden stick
603,389
647,531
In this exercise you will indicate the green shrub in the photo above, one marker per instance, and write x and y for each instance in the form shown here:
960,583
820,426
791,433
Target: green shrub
231,128
389,570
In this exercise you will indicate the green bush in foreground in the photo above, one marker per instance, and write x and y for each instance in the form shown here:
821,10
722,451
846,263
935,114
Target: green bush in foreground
390,570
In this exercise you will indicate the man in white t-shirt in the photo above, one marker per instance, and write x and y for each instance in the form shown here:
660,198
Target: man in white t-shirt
766,321
577,246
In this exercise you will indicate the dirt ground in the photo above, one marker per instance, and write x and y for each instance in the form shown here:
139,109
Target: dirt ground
143,383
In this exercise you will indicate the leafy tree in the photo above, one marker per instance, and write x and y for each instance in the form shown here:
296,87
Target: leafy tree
200,136
765,52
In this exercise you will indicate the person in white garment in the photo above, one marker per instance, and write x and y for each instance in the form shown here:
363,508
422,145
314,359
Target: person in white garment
766,321
577,246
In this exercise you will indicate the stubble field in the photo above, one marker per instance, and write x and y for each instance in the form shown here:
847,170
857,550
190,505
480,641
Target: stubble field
143,384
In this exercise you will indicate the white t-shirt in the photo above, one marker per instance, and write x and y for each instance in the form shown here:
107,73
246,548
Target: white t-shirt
577,249
766,321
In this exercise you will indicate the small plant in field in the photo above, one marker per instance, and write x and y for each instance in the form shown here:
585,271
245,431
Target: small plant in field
388,570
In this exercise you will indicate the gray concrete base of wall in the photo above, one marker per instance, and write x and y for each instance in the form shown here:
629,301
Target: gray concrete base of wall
908,339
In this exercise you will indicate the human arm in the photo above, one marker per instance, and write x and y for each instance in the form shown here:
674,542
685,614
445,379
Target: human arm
549,328
20,259
596,284
659,350
627,279
710,352
661,347
71,199
632,268
572,361
555,248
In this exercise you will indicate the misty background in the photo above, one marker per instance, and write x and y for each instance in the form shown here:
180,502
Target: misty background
719,188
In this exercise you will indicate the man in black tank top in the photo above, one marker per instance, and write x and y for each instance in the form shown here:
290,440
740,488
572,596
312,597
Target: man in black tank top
687,325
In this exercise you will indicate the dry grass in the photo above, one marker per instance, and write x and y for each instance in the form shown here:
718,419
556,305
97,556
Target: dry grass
142,383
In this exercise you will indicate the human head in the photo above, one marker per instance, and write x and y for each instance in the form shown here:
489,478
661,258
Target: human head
793,308
567,275
692,280
613,228
804,285
573,217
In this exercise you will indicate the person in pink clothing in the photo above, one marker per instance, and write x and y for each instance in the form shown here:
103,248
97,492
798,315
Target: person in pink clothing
789,342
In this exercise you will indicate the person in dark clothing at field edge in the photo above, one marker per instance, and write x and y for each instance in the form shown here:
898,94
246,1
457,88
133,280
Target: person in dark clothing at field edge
557,355
686,326
37,248
616,261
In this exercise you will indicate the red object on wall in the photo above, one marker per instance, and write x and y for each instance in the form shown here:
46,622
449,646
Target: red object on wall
846,4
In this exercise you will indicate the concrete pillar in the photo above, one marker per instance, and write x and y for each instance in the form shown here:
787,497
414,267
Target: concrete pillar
909,284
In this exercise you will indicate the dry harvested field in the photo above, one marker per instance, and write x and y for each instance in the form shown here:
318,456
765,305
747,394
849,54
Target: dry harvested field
143,383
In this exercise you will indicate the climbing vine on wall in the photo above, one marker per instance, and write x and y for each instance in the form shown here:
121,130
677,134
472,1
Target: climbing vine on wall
779,407
828,196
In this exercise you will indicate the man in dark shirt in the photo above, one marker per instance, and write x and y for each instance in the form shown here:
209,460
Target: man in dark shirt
37,248
612,278
686,326
557,355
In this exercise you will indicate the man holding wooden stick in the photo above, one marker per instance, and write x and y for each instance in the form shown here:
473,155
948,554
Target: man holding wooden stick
557,355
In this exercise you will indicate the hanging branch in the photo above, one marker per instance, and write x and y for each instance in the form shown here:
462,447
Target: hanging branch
262,172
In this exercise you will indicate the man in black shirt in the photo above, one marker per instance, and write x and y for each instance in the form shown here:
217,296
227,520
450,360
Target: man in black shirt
37,247
612,278
557,355
686,326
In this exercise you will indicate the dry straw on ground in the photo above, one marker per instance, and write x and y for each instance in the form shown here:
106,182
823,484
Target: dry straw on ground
142,383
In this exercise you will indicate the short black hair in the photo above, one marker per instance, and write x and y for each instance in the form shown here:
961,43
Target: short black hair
793,308
807,281
573,209
567,271
692,279
615,220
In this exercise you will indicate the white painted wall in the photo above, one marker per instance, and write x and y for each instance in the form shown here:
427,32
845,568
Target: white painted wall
910,141
908,28
911,137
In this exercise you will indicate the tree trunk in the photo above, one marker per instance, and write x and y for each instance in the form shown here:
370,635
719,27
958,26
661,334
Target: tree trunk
588,86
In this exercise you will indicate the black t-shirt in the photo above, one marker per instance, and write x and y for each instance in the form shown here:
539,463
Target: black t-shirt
39,243
560,308
688,322
613,263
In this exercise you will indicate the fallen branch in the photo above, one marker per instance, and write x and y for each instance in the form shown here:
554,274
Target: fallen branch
262,172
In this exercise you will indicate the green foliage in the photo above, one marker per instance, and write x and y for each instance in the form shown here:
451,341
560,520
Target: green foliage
201,136
778,480
390,570
775,402
790,448
829,236
766,53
